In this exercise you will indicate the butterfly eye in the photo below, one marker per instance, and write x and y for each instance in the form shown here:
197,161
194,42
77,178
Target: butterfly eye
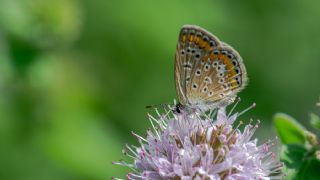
182,52
216,52
188,50
197,56
193,51
210,94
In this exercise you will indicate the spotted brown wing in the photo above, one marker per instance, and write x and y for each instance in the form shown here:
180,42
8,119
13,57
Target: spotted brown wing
208,73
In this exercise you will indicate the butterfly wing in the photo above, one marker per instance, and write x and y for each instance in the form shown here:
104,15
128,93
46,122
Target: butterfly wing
207,72
193,44
225,69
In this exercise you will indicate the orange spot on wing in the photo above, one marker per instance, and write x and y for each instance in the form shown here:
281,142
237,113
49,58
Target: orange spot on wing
183,38
203,44
197,39
212,57
207,46
200,43
206,58
234,84
228,63
229,66
232,73
191,37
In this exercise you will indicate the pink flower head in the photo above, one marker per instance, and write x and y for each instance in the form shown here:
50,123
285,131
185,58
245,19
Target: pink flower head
193,146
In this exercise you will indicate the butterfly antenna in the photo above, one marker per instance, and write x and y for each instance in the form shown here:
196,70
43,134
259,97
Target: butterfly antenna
249,108
156,105
166,107
234,106
150,106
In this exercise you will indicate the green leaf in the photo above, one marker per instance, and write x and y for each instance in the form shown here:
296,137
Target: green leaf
289,130
292,155
309,169
315,121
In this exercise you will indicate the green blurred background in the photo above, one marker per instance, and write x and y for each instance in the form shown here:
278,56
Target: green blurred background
76,75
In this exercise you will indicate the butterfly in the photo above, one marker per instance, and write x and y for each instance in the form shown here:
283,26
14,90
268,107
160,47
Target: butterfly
208,72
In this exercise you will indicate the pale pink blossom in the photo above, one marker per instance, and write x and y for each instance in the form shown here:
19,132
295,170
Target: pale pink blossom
185,146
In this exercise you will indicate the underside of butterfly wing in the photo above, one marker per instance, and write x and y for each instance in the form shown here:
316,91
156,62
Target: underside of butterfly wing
207,72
